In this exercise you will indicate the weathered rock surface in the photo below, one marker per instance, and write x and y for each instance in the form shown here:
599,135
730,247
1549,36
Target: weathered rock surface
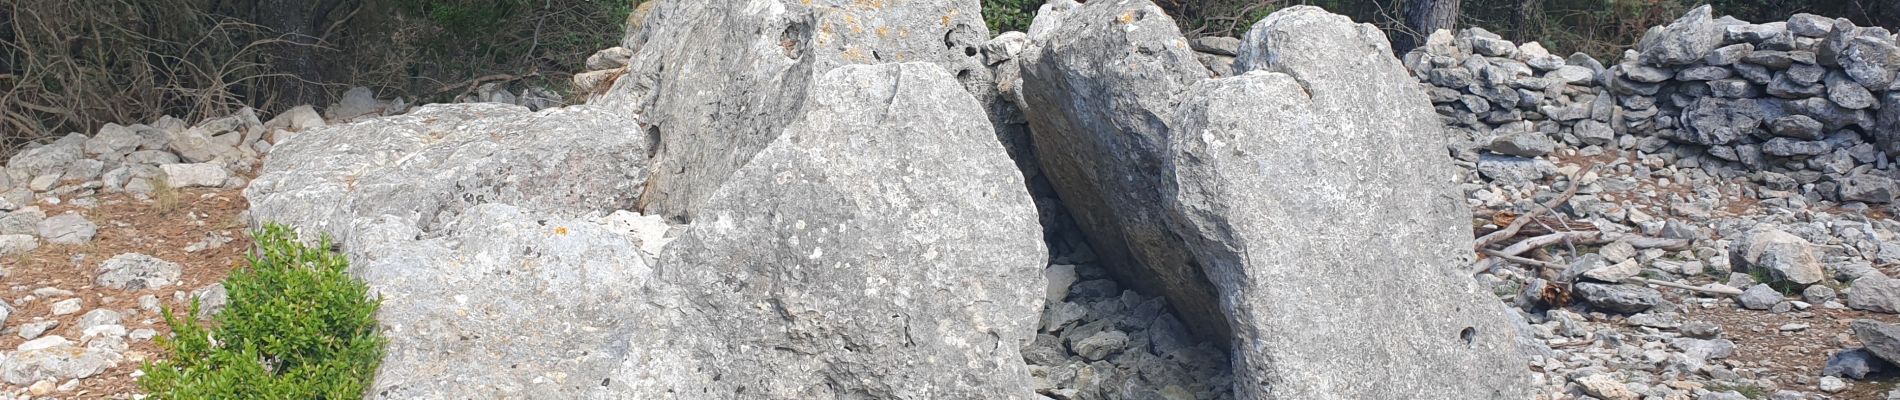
1289,224
502,302
427,166
1099,87
883,247
715,81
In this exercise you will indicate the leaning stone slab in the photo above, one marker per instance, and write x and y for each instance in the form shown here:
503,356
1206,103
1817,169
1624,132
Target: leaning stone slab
1315,193
1098,87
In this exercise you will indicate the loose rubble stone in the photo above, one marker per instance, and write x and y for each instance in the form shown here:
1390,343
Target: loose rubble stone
134,271
67,229
1624,299
1605,387
1875,293
1881,338
12,245
1818,294
1778,255
1759,297
1616,272
1527,144
67,306
54,357
195,175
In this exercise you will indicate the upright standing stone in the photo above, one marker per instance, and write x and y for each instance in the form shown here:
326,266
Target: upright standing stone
883,247
715,81
1314,191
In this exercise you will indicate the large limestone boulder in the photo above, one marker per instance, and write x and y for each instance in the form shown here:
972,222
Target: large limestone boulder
883,247
427,166
715,81
502,302
1315,192
1098,87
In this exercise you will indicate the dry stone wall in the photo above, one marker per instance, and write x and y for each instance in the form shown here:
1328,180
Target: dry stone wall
1805,105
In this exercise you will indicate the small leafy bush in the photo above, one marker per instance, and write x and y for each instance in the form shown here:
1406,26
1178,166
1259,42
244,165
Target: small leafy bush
296,327
1009,15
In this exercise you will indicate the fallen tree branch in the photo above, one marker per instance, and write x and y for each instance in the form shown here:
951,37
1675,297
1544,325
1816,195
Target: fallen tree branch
473,83
1521,260
1525,219
1730,292
1595,237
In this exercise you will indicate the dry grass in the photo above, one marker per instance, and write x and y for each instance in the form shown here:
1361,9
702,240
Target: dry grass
70,66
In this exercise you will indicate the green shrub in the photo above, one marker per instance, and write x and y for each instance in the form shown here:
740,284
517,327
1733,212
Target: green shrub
296,327
1009,15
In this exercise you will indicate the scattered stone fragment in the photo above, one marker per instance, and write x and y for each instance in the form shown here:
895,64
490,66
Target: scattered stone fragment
67,229
1759,297
1618,298
1604,387
1875,293
54,357
195,175
1881,338
1778,255
134,271
67,306
33,330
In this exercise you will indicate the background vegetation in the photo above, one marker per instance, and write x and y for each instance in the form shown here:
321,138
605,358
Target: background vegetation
73,65
296,327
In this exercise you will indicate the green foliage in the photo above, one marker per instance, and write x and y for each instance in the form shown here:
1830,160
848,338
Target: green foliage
463,16
296,327
1009,15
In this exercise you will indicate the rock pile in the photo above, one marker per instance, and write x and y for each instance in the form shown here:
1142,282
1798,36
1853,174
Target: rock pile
1804,106
1099,341
137,160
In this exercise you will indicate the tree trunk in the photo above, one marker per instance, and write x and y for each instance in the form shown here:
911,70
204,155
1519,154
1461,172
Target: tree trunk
292,21
1423,17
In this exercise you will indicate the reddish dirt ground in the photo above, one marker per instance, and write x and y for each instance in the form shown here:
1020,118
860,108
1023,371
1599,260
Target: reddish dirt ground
163,229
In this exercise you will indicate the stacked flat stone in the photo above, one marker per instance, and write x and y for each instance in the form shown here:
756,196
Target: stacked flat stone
1806,103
